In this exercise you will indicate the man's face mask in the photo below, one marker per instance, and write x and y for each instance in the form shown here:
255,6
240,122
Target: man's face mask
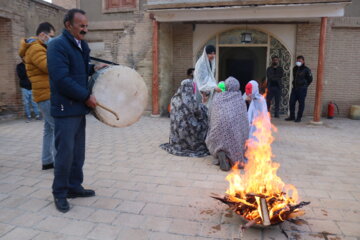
298,64
48,40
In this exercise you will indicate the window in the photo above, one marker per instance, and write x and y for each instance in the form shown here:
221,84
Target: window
119,5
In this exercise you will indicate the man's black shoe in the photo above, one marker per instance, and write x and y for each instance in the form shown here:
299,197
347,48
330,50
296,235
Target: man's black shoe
47,166
61,204
83,193
289,119
298,120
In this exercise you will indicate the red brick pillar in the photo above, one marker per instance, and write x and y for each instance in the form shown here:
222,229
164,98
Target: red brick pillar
155,58
320,70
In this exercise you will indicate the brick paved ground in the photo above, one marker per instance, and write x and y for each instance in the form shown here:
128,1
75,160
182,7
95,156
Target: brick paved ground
145,193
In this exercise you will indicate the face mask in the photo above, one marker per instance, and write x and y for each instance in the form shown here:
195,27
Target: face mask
48,40
298,64
274,64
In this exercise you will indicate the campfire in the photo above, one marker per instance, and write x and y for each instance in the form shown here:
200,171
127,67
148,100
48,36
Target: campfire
258,194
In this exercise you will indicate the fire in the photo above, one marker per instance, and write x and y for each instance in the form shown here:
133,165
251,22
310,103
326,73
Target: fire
265,93
259,182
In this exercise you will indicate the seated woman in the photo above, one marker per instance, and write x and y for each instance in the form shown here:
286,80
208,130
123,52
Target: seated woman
189,123
229,126
257,108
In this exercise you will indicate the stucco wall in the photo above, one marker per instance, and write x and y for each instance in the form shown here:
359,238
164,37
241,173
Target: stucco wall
68,4
353,9
94,8
122,37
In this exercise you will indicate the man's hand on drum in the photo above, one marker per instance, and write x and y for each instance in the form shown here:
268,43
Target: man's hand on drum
99,66
91,101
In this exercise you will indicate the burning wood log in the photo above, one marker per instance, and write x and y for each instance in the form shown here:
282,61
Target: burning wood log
264,211
261,210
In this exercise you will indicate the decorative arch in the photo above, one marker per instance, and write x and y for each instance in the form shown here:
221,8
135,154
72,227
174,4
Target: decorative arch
275,47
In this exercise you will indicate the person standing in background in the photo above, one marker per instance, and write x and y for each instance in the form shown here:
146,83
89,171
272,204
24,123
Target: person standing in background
33,51
274,75
302,80
26,92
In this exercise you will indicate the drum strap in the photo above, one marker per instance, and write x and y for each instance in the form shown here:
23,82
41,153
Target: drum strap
103,61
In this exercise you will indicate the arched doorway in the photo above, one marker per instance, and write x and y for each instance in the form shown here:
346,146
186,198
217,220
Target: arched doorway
248,61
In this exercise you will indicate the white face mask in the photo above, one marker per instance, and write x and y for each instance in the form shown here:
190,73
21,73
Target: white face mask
48,40
298,64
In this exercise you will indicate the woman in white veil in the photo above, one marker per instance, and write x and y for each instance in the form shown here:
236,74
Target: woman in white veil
257,108
204,75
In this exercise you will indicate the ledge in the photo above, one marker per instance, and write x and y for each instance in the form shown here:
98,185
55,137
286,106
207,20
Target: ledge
108,25
167,4
346,22
288,12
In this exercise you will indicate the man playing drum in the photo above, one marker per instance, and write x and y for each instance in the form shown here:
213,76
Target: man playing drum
69,68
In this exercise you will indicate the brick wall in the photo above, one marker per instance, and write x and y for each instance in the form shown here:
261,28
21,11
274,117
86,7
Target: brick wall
182,52
166,65
341,78
9,90
342,71
307,44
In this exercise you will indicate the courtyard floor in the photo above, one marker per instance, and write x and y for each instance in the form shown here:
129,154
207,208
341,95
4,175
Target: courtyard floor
142,192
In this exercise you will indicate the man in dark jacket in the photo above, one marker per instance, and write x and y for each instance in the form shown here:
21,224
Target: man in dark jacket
302,78
274,75
69,68
26,92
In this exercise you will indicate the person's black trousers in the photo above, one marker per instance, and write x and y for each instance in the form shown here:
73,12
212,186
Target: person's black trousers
297,95
273,92
70,155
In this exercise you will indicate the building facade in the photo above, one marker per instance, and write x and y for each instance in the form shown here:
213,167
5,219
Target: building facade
122,31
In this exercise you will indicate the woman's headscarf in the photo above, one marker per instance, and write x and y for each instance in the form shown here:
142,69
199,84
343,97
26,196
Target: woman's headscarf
189,123
204,74
229,126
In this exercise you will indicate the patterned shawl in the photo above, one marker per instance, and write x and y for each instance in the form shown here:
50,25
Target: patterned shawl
188,123
229,127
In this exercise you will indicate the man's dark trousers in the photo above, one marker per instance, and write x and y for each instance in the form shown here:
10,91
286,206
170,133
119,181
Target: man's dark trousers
273,92
297,95
70,156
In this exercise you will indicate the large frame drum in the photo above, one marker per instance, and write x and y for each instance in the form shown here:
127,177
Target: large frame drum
121,93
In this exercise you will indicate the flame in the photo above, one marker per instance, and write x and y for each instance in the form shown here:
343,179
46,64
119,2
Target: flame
265,93
260,178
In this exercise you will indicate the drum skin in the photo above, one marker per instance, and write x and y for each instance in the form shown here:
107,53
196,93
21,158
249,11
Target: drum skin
122,90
